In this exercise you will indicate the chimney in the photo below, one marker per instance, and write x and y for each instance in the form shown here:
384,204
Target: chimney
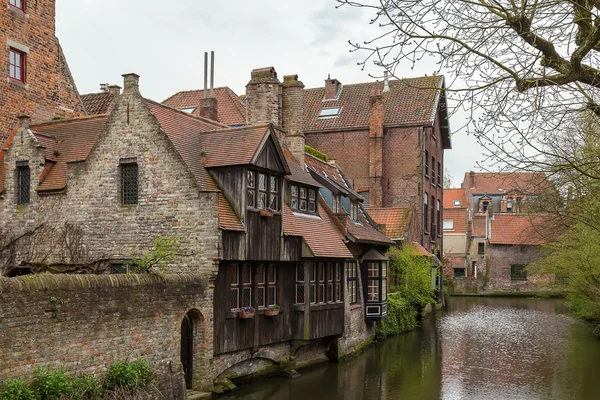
209,108
332,87
386,82
115,90
376,120
24,121
293,116
472,179
262,96
131,83
104,87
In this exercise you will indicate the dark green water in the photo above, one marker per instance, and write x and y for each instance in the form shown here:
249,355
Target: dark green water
479,348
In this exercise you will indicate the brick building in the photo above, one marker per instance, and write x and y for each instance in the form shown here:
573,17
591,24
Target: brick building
489,235
389,138
36,80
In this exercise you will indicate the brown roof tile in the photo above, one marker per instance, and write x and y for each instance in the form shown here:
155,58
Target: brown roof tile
298,173
504,182
409,101
319,234
232,146
459,216
97,103
519,229
396,220
228,220
454,194
231,109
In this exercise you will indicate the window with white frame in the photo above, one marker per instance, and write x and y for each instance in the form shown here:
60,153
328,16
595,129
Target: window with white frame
448,224
354,210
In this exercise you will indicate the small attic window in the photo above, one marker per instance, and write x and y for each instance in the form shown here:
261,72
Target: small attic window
457,203
330,112
188,110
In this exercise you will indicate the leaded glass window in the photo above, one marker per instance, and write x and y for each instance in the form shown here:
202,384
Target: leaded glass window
300,283
23,182
274,193
234,291
129,183
294,202
312,198
351,279
262,191
303,199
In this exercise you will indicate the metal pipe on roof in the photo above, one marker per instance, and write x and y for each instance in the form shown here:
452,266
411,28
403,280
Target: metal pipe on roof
205,72
212,72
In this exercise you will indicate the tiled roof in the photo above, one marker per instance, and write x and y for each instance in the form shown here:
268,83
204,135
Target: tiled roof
454,194
459,216
519,229
184,131
361,231
419,250
319,234
97,103
409,101
298,173
503,182
231,109
228,220
66,141
232,146
396,220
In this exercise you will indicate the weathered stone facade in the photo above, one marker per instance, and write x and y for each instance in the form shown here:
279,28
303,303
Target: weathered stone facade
48,90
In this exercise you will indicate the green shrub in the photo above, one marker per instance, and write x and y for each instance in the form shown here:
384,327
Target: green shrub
86,387
401,317
316,153
16,390
412,274
52,384
129,375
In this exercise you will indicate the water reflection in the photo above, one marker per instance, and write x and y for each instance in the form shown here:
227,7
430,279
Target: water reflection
480,348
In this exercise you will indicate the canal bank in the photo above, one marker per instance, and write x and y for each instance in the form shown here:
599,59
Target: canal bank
477,348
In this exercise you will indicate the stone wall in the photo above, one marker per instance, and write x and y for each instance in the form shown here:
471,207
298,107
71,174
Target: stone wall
49,89
87,322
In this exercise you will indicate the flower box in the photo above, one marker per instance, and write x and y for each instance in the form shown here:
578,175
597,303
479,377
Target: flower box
246,314
266,213
271,312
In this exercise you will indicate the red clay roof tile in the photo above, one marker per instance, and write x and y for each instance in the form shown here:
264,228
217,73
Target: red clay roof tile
503,182
228,220
395,220
454,194
97,103
459,217
231,110
520,229
409,101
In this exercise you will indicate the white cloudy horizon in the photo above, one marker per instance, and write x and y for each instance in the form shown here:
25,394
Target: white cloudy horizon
165,45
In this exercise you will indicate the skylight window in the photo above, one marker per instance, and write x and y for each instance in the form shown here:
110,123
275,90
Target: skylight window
457,203
330,112
188,110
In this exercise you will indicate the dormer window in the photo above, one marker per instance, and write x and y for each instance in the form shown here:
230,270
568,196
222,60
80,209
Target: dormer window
354,211
336,206
263,191
303,199
509,204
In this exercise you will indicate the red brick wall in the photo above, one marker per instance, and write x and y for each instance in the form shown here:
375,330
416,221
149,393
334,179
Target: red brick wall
48,82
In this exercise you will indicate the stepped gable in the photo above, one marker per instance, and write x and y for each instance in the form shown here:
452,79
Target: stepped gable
231,109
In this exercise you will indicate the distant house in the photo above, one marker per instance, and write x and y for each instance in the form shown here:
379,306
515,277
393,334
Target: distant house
491,235
231,109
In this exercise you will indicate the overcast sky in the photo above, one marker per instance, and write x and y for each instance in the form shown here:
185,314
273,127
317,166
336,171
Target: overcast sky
164,43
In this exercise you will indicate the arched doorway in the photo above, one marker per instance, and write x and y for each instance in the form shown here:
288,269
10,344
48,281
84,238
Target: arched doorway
187,348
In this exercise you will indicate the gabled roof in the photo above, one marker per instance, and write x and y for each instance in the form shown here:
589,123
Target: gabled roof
98,103
499,183
396,220
231,110
318,233
454,194
519,229
66,141
411,101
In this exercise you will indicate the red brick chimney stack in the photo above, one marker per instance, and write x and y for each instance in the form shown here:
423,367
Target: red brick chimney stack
376,121
131,83
209,108
263,97
472,179
293,116
332,87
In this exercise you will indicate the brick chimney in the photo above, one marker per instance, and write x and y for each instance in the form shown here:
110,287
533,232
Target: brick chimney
115,90
209,108
376,120
472,179
293,116
332,87
263,97
131,83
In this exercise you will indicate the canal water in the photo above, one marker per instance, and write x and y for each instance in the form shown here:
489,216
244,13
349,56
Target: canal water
478,348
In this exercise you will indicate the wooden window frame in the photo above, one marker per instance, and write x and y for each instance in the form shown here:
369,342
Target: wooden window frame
352,282
300,278
22,67
378,281
426,164
439,173
354,210
433,170
301,200
425,212
269,194
481,248
13,4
